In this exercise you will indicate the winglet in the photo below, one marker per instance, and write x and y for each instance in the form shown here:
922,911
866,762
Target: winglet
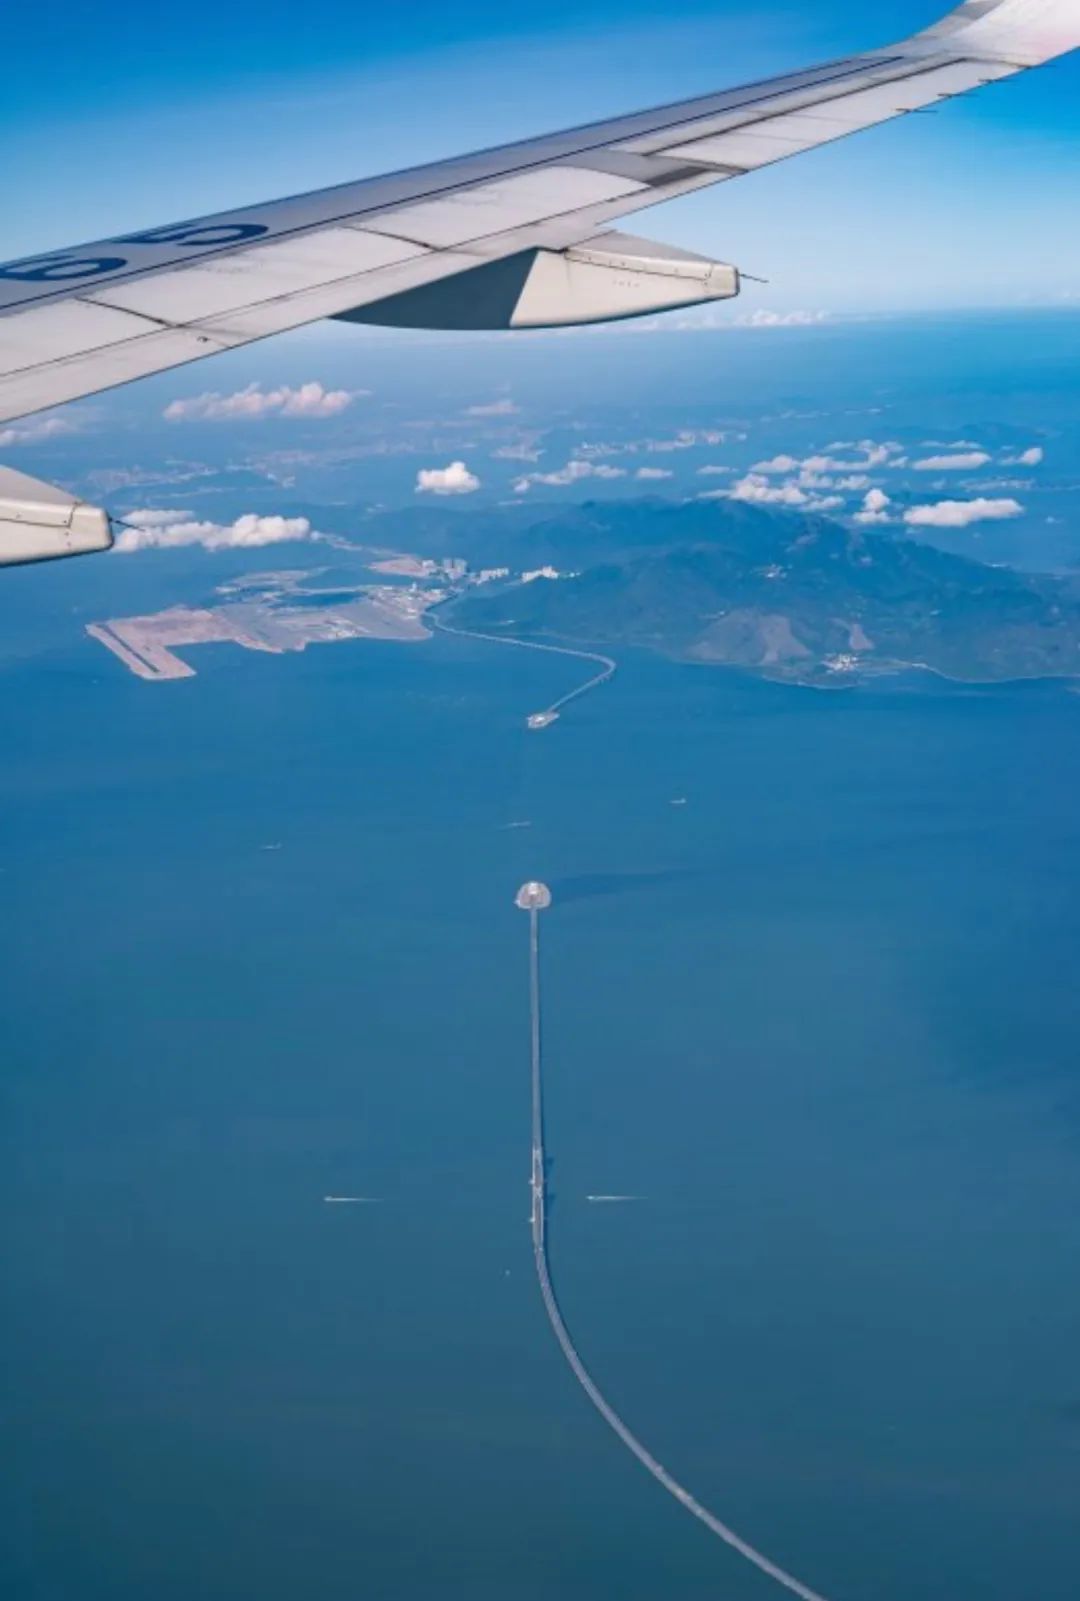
1028,32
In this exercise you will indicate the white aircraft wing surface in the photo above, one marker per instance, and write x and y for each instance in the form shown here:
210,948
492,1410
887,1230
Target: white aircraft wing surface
510,237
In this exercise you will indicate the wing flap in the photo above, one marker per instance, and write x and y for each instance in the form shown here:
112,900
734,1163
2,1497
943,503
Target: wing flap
866,107
201,293
743,149
141,345
498,208
87,372
72,328
733,112
756,142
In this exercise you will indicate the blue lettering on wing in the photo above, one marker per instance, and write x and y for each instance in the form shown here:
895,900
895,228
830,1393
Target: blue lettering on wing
189,235
59,269
195,235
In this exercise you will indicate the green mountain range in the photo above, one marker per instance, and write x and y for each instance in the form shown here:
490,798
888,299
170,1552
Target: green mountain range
798,598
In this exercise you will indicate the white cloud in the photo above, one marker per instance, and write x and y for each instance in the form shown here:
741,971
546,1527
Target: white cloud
154,529
36,431
309,400
758,491
875,507
782,319
874,455
653,472
153,517
593,452
714,471
496,408
960,461
453,480
985,485
1026,458
814,471
959,513
573,473
523,451
685,439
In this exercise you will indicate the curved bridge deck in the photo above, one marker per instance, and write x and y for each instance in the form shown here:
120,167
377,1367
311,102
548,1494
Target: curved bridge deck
714,1524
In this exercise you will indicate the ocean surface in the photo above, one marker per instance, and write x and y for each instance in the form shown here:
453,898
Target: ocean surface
822,1018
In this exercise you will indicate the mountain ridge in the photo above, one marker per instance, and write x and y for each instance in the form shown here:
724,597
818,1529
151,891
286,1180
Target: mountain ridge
800,598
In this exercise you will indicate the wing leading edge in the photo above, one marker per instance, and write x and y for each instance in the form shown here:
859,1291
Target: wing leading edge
81,320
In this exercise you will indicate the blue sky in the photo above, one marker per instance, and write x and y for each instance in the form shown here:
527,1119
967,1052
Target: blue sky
128,116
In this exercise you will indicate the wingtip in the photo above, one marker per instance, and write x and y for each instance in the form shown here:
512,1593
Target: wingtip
1028,32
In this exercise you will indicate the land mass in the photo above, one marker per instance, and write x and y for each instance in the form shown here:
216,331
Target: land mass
272,612
790,597
801,599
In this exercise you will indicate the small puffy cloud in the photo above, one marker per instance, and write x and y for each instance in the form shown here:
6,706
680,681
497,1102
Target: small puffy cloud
816,471
155,529
453,480
254,402
809,483
157,517
36,431
573,473
1032,457
959,461
961,513
782,319
714,471
650,473
875,507
757,490
495,408
685,439
596,450
874,455
521,451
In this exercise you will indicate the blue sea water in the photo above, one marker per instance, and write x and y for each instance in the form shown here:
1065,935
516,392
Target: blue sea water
822,1018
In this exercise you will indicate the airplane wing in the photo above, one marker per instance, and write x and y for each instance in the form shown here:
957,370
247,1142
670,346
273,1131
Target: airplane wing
510,237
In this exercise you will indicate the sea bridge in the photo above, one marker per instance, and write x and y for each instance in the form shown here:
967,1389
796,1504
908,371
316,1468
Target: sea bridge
535,898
